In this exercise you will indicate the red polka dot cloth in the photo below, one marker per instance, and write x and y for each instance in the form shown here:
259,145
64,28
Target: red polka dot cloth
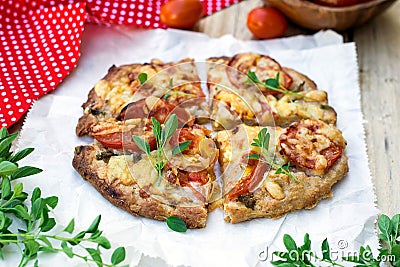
40,42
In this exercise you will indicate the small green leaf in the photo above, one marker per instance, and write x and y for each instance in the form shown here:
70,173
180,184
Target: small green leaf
3,132
166,96
251,76
170,126
326,253
6,141
70,227
95,225
67,250
21,154
307,242
142,78
18,190
103,242
385,225
51,201
396,251
2,220
25,171
37,208
36,264
253,156
36,194
7,168
289,243
95,255
118,256
157,130
171,82
142,145
32,246
181,147
272,82
176,224
96,234
22,213
5,188
48,225
396,225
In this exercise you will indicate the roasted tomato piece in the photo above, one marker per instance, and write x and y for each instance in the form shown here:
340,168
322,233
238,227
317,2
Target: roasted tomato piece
312,144
249,182
119,140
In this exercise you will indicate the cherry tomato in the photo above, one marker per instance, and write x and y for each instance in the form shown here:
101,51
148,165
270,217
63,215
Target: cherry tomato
181,14
266,22
337,3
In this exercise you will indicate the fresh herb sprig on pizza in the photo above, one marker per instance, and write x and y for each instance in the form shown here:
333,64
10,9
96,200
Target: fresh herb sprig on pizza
262,141
162,135
273,84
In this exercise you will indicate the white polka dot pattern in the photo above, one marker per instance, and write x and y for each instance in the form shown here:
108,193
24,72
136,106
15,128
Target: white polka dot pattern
40,42
38,48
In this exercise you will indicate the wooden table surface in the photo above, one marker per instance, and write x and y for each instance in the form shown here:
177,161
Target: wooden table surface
378,44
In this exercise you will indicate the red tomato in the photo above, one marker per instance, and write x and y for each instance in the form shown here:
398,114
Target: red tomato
266,22
181,14
337,3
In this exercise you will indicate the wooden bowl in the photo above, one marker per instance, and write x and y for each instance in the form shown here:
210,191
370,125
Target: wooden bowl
317,17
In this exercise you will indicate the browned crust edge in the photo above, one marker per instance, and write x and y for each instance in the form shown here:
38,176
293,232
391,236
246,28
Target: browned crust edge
235,212
131,198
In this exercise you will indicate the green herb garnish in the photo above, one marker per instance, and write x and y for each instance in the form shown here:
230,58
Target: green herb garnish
303,255
142,77
29,227
176,224
262,141
273,84
162,135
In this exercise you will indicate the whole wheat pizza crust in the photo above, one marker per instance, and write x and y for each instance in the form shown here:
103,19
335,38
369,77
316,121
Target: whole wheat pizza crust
131,197
305,194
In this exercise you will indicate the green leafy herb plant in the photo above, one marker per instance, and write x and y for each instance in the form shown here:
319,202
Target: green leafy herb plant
30,215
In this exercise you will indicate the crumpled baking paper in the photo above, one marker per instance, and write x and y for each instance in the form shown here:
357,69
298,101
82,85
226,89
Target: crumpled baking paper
347,219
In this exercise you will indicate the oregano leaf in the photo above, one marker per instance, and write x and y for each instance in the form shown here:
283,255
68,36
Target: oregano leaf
176,224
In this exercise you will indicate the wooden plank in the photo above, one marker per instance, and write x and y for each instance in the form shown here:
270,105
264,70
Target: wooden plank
379,57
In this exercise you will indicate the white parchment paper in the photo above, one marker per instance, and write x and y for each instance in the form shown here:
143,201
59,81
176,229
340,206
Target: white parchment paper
347,219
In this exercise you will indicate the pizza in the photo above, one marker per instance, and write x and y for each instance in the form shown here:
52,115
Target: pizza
129,180
177,83
235,101
278,149
254,188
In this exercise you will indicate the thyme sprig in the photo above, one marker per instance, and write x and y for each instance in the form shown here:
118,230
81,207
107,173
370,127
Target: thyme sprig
262,141
162,135
274,84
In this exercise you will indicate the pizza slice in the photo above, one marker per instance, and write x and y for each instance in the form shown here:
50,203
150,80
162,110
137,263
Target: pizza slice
237,100
268,172
178,84
184,186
